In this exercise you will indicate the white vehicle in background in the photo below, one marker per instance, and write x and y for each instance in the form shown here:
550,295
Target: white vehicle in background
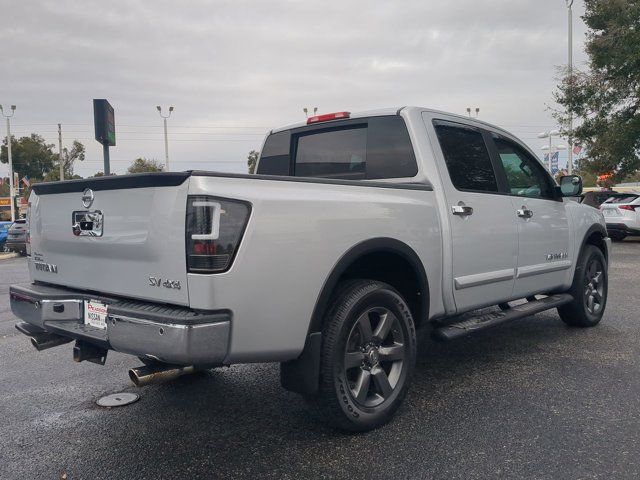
622,215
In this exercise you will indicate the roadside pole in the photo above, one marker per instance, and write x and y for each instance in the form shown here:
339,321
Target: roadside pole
60,159
570,73
11,180
11,185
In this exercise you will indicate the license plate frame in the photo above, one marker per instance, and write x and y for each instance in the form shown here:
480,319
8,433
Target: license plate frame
95,314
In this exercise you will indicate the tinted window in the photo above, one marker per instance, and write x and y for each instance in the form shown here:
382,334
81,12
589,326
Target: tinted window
332,154
389,150
525,176
370,148
467,158
274,159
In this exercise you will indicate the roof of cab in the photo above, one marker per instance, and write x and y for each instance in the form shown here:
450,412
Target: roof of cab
395,111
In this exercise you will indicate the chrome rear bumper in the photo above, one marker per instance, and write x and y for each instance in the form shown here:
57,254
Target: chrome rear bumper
171,334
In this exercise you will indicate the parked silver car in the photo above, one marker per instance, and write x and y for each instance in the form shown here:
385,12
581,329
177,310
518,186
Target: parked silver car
17,237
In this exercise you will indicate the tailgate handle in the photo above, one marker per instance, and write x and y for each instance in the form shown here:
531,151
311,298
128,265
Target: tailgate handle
215,221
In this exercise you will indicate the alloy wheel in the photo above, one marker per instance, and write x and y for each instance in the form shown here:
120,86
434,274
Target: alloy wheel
594,288
374,356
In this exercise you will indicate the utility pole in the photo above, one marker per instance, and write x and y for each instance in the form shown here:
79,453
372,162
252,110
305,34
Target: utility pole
11,182
166,138
60,150
570,74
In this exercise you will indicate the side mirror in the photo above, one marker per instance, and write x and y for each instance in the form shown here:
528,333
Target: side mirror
571,185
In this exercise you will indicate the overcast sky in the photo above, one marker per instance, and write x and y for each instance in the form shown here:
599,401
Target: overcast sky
234,69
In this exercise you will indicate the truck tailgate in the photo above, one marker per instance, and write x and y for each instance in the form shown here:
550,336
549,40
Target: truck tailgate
142,235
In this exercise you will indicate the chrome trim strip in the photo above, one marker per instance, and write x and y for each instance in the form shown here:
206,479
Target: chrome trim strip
484,278
531,270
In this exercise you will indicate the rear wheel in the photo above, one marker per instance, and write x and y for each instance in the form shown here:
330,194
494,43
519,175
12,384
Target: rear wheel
368,356
589,290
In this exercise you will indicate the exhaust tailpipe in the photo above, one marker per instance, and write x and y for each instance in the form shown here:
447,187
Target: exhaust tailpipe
42,341
142,376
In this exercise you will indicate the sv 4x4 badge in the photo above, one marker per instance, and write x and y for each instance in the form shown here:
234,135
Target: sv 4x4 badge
157,282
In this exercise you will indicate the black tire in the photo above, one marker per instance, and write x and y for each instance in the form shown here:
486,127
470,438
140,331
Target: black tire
368,356
617,237
589,290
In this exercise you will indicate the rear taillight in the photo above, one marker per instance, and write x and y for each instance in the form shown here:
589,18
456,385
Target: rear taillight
214,229
631,208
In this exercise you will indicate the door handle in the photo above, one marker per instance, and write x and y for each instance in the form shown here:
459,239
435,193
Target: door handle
461,210
524,212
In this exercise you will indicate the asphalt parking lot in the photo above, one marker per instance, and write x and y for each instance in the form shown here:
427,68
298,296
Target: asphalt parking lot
532,399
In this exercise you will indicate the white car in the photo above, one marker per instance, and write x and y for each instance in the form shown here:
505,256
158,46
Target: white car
355,229
622,214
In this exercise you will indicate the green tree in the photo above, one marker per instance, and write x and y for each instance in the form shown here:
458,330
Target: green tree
606,98
31,156
69,157
141,165
252,160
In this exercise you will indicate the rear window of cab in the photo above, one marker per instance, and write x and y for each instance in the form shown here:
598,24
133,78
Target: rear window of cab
357,149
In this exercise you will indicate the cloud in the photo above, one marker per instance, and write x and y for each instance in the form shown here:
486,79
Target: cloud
251,65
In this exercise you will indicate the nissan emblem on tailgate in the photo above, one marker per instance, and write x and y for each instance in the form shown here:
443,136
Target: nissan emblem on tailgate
87,197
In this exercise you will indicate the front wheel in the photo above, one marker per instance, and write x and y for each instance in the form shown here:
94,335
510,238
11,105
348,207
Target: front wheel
368,356
589,290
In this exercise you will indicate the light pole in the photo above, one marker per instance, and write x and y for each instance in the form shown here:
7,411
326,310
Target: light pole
11,193
549,134
477,110
570,76
166,140
306,111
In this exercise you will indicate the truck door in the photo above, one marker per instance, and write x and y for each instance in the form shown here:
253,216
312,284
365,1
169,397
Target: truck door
481,218
543,228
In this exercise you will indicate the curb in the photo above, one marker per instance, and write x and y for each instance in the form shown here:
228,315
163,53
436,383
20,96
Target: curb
7,256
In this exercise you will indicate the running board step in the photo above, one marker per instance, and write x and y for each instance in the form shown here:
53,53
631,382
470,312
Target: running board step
488,320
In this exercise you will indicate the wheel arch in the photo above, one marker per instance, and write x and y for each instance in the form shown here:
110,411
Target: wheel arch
595,235
403,270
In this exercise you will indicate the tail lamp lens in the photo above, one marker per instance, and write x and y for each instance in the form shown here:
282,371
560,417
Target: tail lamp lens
631,208
214,229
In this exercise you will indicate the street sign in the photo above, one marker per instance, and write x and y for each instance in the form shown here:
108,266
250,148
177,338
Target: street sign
104,122
554,163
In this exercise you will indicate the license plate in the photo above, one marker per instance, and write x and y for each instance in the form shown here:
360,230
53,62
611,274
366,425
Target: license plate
608,212
95,314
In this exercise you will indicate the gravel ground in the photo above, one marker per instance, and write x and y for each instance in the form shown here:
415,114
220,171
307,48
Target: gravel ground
531,399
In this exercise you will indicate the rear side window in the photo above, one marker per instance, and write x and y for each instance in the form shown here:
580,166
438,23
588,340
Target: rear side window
467,158
369,148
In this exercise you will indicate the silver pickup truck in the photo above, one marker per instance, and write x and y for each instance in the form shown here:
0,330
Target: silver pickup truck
356,230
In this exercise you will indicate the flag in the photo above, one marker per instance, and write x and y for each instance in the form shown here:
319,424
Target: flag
577,149
26,181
